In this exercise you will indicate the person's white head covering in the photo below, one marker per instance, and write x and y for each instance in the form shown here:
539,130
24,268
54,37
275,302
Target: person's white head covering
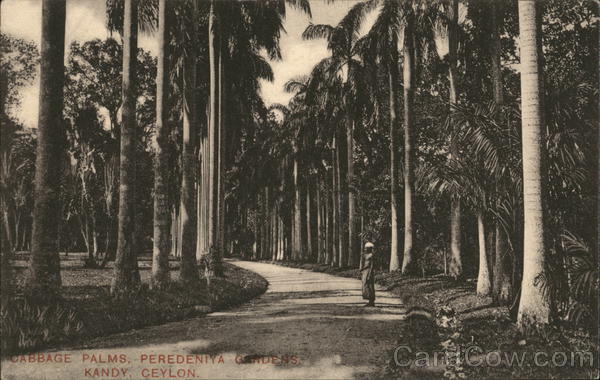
369,245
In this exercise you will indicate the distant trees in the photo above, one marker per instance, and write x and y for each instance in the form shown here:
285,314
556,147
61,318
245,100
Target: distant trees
17,152
467,149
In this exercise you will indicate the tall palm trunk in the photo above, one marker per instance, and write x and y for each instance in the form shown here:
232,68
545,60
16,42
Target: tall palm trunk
311,220
353,242
162,217
534,307
111,178
320,226
456,267
213,140
483,278
496,50
297,229
329,228
305,252
221,162
393,75
188,269
175,251
336,205
44,264
408,263
342,152
502,287
126,271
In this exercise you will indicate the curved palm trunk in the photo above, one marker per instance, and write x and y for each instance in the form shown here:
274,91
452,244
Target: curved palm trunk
126,270
456,267
44,264
393,74
162,214
534,307
408,263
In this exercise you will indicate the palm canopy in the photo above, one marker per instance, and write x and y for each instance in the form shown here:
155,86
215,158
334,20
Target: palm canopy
342,39
147,15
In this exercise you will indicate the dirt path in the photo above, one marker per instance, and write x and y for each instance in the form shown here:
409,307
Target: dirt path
307,325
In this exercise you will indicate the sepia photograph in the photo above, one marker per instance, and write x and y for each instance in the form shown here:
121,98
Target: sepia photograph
299,189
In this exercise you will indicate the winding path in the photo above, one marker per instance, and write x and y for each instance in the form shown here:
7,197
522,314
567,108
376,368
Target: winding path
307,325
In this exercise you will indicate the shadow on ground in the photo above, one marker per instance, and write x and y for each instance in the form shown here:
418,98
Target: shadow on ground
307,325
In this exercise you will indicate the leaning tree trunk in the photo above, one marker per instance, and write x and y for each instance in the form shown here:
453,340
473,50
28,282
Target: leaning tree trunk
44,264
408,263
456,267
126,271
393,75
162,215
534,306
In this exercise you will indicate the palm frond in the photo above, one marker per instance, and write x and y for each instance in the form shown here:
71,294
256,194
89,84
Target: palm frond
316,31
302,5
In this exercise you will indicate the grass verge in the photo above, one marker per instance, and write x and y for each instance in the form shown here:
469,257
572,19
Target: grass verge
87,311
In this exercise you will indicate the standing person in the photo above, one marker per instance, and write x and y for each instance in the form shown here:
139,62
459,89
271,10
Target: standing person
368,275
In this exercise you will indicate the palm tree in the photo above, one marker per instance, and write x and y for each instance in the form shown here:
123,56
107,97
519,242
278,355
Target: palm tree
534,306
502,287
415,20
188,268
299,86
259,25
342,42
44,264
456,268
126,271
408,263
470,174
213,141
162,215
